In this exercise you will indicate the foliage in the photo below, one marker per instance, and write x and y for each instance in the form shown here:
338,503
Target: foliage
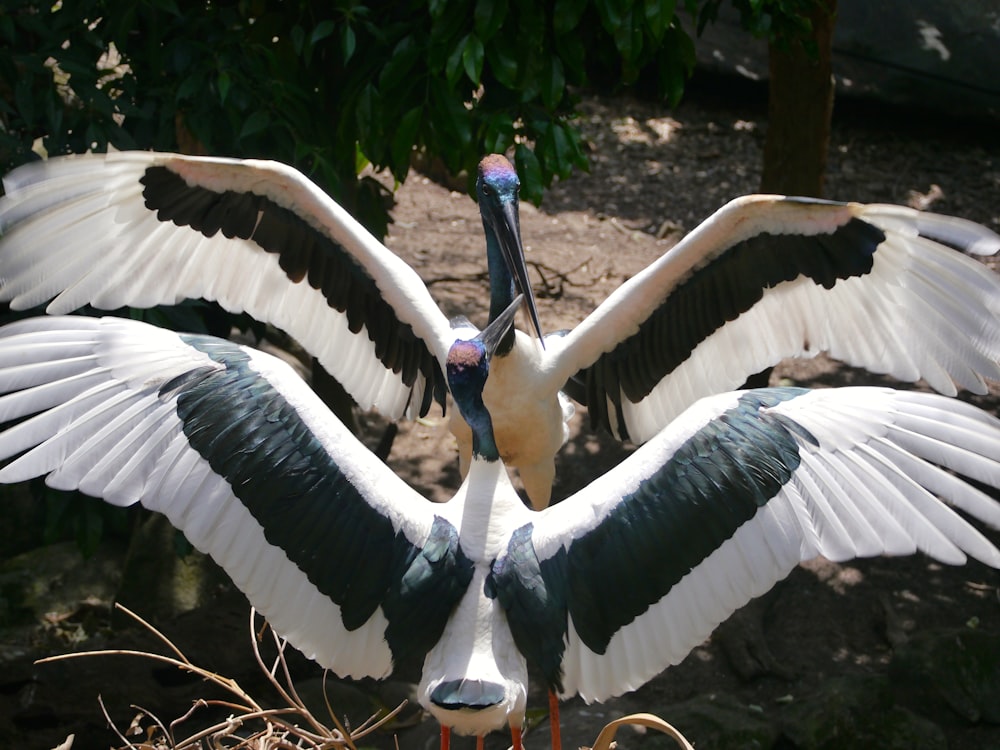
333,86
780,21
330,87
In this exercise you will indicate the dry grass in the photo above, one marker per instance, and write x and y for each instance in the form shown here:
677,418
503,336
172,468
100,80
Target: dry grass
249,724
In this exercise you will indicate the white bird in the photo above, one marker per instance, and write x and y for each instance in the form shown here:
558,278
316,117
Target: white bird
599,593
764,278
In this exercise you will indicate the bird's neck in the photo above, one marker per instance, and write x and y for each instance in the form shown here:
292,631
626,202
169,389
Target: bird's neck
488,508
501,281
501,286
484,444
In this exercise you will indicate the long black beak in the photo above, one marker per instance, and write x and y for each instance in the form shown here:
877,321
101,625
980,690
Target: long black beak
493,334
508,230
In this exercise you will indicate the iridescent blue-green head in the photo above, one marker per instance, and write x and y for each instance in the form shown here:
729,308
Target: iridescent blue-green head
497,187
468,367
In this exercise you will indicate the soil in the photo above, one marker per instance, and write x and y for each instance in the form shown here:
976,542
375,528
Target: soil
655,174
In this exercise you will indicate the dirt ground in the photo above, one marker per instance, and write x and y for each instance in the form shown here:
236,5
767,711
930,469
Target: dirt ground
655,174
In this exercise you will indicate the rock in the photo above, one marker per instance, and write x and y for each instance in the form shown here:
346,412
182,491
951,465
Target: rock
716,720
942,56
164,576
857,712
52,581
957,667
22,522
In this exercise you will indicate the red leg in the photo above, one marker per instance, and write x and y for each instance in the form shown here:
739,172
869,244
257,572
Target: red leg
554,721
445,737
515,736
479,742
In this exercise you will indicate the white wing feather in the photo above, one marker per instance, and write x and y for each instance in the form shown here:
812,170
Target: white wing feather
76,231
106,429
878,482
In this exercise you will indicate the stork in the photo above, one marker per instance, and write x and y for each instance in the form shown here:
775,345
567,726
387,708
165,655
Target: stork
764,278
599,592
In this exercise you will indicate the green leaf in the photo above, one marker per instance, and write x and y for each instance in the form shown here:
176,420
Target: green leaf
472,58
365,110
298,37
628,37
223,82
323,30
488,17
25,101
54,112
403,140
437,8
566,15
563,151
553,83
676,66
659,14
182,547
348,43
360,161
452,121
612,13
530,170
398,71
7,28
573,54
531,28
168,5
189,89
254,124
499,135
504,61
453,68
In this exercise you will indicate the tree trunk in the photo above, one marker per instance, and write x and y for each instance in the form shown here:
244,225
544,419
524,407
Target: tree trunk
800,106
799,110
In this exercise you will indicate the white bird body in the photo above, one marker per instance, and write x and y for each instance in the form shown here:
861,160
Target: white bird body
764,278
599,592
476,643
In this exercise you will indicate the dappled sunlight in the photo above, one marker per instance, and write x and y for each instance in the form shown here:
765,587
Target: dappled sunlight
837,576
932,39
653,131
847,656
982,591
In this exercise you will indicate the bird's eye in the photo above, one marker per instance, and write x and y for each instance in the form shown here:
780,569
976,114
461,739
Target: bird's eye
487,190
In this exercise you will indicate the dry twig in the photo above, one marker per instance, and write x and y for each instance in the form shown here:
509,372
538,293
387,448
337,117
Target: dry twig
290,726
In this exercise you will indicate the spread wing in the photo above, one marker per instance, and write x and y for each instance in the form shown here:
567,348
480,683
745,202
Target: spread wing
621,580
143,229
342,557
769,277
